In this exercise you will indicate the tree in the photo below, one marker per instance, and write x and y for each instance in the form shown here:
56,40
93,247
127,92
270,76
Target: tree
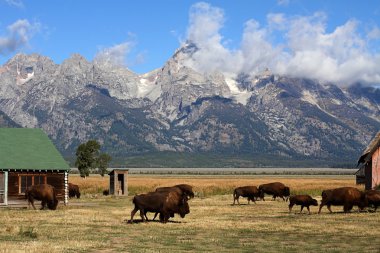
103,161
87,157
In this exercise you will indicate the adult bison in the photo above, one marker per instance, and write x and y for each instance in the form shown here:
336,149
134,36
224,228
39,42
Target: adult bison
250,192
276,189
302,200
373,198
43,192
343,196
166,203
184,190
74,191
168,189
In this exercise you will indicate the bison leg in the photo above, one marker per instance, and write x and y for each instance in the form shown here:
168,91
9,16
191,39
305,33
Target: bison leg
237,199
329,207
43,204
31,201
155,215
283,198
133,214
320,207
164,217
308,208
142,213
146,217
301,209
347,208
290,207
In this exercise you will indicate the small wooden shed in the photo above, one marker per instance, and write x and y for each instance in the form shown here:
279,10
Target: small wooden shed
369,162
119,182
28,157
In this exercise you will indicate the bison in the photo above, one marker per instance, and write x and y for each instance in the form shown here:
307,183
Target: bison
168,189
43,192
343,196
184,190
276,189
250,192
373,198
166,203
74,191
302,200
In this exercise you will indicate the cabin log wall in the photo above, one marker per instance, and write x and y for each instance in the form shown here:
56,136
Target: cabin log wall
56,179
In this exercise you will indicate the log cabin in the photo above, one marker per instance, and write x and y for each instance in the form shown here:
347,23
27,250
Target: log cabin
369,162
28,157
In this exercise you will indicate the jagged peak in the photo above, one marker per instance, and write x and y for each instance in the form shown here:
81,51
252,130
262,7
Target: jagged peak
188,48
21,58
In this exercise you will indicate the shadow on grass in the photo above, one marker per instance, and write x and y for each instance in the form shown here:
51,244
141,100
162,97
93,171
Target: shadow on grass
150,221
250,204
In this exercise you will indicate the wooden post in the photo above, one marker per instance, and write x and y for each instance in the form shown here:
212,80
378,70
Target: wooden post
6,188
66,199
126,184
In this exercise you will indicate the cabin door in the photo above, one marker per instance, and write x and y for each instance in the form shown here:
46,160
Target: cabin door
3,196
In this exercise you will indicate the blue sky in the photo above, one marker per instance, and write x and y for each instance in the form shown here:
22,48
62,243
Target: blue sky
143,34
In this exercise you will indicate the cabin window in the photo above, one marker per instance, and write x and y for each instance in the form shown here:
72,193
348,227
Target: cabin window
28,180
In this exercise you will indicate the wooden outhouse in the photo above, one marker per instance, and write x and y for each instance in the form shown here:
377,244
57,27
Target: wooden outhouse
119,182
369,162
28,157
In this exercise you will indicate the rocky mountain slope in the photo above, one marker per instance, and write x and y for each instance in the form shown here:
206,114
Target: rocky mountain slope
176,108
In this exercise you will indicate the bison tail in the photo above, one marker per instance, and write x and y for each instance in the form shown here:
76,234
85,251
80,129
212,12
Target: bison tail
235,194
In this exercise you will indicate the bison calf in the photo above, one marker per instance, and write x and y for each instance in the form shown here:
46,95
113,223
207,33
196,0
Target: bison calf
250,192
343,196
302,200
43,192
74,191
373,198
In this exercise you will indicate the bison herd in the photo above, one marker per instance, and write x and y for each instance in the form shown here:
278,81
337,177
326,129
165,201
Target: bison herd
168,201
343,196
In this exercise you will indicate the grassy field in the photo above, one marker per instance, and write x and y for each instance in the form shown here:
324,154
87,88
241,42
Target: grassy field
96,223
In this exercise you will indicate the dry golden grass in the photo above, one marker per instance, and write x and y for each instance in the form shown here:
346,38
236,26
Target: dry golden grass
97,223
215,185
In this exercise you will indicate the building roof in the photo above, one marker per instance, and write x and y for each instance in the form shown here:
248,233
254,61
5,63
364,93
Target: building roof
28,149
368,152
118,170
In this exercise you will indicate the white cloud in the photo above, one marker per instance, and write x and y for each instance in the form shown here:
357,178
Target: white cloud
115,55
307,49
205,23
19,34
16,3
283,2
374,34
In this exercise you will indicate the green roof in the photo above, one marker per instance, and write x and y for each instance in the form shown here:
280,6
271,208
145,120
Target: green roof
28,149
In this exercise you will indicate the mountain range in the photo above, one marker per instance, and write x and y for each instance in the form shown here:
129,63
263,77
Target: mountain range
178,109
